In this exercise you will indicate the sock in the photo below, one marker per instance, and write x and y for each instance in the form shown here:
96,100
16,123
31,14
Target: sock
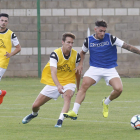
76,107
107,100
0,92
34,113
61,117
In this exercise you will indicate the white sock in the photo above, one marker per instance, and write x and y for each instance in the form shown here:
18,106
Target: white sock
0,92
76,107
61,117
107,100
34,113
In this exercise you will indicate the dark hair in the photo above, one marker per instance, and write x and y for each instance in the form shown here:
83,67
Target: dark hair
4,15
101,23
68,34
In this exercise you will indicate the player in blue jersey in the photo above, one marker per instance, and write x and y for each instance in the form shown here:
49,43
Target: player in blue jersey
103,58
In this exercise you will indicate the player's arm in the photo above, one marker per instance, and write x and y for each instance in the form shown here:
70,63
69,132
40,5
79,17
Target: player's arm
53,67
17,46
131,48
55,79
77,74
118,42
82,56
81,63
78,78
17,49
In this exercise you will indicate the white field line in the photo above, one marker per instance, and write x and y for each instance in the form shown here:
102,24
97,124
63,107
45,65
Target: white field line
87,120
25,85
92,108
56,102
72,120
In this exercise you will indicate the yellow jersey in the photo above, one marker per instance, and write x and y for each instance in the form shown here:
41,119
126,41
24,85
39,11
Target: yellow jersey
5,46
65,69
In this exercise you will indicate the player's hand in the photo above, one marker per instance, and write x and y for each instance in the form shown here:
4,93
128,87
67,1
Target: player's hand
79,69
60,89
8,55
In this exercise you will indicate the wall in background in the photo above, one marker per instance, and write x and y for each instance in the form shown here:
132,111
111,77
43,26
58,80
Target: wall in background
59,16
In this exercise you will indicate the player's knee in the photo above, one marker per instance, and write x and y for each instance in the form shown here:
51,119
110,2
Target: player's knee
68,96
119,90
85,85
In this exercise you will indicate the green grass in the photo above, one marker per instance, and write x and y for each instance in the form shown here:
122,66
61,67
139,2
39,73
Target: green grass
90,125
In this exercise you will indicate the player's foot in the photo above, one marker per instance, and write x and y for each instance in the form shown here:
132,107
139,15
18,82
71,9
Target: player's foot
28,118
3,93
105,109
71,114
59,123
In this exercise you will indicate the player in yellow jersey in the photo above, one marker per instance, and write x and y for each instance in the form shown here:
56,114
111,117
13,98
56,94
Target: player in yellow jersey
7,37
60,75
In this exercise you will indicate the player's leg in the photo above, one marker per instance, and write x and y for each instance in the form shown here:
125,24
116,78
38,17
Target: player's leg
40,100
47,93
69,90
116,83
113,80
2,92
91,77
67,100
86,83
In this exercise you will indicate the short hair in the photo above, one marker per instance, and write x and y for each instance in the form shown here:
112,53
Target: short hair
101,23
68,34
4,15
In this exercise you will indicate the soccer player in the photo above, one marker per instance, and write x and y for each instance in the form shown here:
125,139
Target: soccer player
103,60
59,75
7,37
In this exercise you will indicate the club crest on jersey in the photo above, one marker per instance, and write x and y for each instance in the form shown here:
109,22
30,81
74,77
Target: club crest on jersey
99,44
2,43
65,68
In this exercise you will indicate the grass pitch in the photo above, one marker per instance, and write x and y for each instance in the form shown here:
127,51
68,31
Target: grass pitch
90,125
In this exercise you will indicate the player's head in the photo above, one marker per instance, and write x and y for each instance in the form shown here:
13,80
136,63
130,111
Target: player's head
3,20
101,23
68,40
4,15
100,29
68,34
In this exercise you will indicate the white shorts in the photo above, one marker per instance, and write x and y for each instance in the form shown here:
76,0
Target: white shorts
98,73
52,91
2,71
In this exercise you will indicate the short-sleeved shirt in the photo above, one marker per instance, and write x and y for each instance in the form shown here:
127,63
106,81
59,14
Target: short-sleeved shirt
65,67
6,39
103,53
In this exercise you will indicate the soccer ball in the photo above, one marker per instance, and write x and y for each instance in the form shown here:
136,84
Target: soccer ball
135,122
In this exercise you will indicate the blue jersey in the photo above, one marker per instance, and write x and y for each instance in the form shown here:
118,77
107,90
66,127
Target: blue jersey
103,53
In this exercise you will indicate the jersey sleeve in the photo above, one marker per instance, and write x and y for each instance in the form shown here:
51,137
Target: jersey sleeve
53,59
14,39
78,59
116,41
85,45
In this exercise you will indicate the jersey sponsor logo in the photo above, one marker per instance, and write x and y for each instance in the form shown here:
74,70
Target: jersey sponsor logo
2,43
65,68
99,44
